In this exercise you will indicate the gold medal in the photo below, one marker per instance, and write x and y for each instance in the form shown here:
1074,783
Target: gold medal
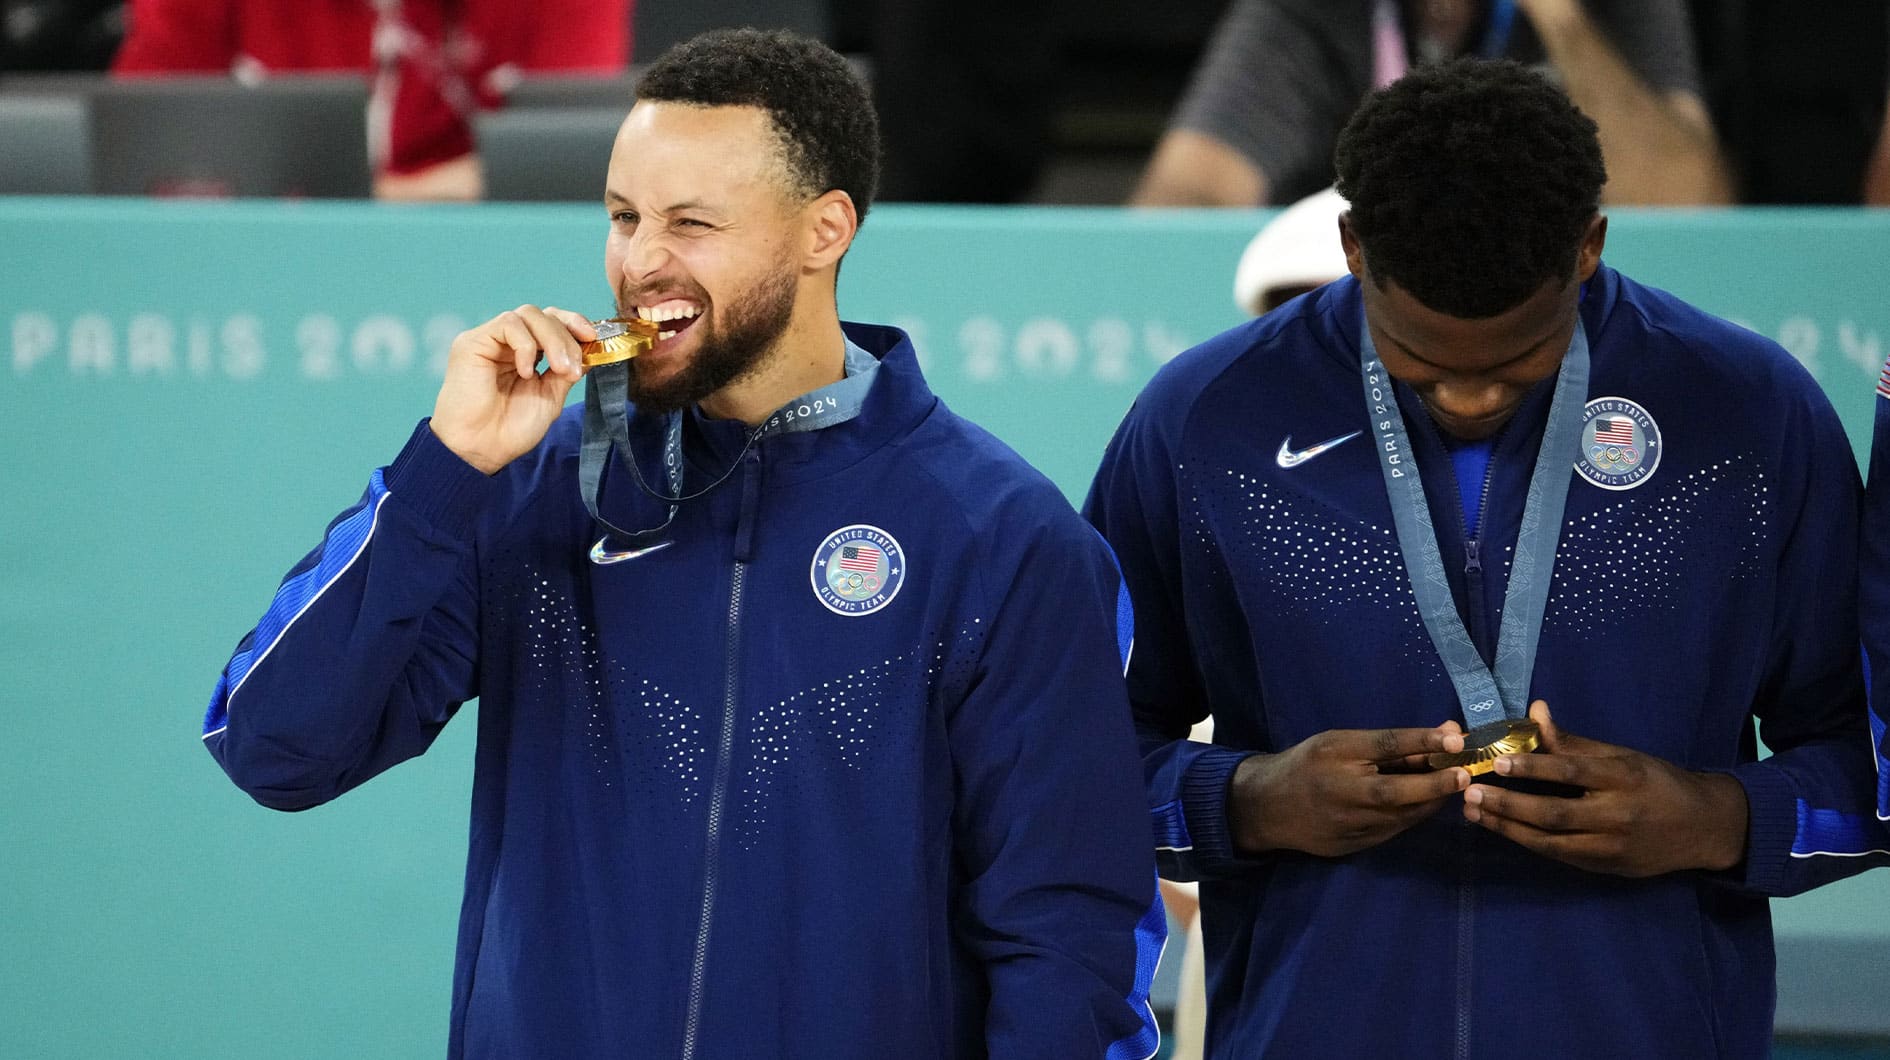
1483,745
619,339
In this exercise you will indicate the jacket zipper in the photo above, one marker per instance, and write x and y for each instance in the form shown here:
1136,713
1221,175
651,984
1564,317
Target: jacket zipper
731,693
1473,598
1473,553
1466,887
1466,941
1466,890
1472,546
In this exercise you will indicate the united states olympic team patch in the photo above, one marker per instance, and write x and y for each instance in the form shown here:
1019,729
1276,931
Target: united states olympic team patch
857,570
1620,444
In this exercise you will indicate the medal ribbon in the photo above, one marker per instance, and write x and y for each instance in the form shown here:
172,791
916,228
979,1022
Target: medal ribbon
1486,697
606,425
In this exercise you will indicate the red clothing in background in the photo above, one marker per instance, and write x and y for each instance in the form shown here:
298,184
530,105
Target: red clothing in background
433,62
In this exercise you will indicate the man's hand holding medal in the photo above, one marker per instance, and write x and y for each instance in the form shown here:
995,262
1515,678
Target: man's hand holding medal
1635,815
1343,790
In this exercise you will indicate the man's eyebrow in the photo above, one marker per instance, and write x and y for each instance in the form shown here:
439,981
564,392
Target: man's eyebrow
612,197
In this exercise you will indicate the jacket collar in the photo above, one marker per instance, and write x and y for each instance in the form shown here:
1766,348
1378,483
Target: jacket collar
898,400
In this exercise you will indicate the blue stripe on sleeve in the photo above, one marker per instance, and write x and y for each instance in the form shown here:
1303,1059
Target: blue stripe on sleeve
1151,936
1834,833
1125,607
1876,743
1171,827
343,545
1125,626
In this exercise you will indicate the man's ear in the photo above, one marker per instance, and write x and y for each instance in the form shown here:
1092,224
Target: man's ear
1354,252
1592,241
831,224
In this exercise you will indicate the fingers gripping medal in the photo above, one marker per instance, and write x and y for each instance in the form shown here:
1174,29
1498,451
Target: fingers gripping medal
619,339
1483,745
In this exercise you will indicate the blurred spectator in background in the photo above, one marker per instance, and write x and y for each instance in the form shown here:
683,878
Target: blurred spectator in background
1281,77
1877,177
433,63
59,34
1797,93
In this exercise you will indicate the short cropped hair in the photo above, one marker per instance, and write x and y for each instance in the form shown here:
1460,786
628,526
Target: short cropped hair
1472,184
818,105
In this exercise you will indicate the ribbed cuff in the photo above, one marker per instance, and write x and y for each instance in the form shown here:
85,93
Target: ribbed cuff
1204,801
1771,826
432,482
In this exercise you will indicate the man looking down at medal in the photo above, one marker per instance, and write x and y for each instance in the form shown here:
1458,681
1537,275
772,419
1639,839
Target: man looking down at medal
792,683
1487,483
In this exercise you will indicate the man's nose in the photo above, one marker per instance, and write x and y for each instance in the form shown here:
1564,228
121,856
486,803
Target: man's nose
1469,399
643,256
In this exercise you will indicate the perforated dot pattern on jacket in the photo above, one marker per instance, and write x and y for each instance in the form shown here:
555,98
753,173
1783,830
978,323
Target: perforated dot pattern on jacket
650,743
674,734
1651,551
1313,565
637,736
1647,550
841,722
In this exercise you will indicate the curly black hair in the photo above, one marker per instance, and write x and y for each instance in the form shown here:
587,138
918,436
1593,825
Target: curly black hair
1472,184
819,107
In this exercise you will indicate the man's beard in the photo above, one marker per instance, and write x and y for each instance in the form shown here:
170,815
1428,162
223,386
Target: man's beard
743,333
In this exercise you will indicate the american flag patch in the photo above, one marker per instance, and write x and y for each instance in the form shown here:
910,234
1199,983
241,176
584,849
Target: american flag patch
1614,432
862,558
1883,381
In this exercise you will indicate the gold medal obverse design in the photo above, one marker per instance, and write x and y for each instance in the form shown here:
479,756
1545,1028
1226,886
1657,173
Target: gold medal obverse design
619,339
1483,745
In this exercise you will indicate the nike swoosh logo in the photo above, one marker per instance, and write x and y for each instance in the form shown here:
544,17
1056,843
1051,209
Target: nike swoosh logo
1288,458
603,557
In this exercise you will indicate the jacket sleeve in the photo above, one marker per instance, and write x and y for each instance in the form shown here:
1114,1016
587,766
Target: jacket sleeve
370,644
1874,594
1134,502
1812,806
1060,900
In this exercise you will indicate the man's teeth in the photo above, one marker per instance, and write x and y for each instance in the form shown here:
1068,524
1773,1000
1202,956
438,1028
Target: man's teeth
665,336
667,312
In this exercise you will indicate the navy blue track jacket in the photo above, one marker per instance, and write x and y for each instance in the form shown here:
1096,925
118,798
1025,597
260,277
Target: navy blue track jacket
1687,600
719,812
1874,589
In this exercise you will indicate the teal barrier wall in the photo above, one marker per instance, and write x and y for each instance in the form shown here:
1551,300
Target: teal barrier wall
189,392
